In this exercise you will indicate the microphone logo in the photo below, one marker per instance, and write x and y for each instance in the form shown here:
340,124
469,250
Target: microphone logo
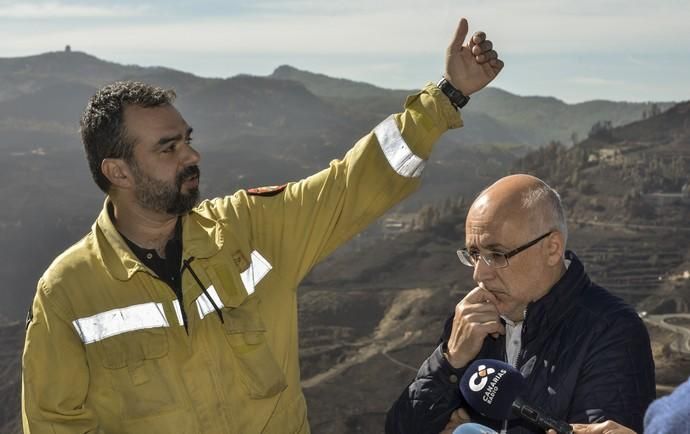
482,375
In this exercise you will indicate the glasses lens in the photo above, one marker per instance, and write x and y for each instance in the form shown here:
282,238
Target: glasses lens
465,258
495,259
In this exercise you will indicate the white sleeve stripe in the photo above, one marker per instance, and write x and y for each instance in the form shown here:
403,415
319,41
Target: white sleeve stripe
178,312
258,268
117,321
399,155
204,305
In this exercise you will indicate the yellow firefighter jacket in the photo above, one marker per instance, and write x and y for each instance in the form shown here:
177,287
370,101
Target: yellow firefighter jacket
106,351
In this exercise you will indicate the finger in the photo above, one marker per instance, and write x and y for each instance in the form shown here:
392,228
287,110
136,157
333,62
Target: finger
497,326
454,418
475,296
463,413
460,33
488,70
482,48
484,311
580,427
479,295
496,65
489,297
483,330
486,57
459,416
477,38
481,317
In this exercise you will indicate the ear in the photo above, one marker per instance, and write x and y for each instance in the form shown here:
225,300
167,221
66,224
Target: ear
118,172
555,248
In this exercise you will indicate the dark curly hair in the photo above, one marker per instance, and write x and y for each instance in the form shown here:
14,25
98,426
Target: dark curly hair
102,129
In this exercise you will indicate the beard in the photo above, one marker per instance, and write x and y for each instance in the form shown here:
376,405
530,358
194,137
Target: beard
166,197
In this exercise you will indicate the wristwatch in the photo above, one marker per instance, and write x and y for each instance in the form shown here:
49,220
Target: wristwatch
454,95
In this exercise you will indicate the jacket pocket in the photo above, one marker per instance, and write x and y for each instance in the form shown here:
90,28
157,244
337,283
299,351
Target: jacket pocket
245,331
139,372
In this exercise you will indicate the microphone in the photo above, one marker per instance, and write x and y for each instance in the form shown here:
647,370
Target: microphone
492,388
473,428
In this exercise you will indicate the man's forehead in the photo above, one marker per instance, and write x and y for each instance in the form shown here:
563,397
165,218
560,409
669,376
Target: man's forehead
494,227
161,117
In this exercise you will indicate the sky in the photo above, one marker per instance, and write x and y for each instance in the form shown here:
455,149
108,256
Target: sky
574,50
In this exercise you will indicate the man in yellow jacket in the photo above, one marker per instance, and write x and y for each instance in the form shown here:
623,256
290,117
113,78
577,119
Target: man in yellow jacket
176,317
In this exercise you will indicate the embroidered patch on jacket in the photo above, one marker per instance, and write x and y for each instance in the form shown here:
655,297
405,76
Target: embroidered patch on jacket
268,191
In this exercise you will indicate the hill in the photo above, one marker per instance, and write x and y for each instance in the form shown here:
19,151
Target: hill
531,121
634,174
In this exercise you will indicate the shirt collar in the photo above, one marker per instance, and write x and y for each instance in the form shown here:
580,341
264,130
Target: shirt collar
202,237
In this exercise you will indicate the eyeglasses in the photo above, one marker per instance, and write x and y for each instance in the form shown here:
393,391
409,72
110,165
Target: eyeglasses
495,259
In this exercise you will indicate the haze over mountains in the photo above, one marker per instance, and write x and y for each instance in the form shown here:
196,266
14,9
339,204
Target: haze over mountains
372,312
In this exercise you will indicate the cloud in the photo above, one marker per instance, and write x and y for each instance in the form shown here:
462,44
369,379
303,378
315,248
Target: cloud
529,27
51,10
403,27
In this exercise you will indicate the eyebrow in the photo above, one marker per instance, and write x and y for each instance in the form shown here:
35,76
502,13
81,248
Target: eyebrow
495,246
169,139
490,247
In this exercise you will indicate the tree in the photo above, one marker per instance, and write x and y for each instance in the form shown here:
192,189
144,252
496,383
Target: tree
601,130
654,110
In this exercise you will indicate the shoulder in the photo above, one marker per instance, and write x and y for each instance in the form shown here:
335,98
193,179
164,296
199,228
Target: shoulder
220,208
600,306
241,201
610,323
74,261
70,273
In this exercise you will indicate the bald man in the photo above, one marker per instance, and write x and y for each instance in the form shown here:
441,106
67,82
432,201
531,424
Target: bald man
584,352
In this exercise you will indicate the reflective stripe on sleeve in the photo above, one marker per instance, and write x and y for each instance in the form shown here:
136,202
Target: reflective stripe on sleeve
178,312
399,155
258,268
204,305
117,321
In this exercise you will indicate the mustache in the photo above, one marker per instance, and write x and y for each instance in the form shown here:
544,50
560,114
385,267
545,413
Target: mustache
188,173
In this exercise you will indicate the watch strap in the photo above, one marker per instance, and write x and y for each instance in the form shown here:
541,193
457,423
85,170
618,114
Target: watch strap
456,97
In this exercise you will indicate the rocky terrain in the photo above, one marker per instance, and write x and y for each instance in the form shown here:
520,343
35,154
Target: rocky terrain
11,342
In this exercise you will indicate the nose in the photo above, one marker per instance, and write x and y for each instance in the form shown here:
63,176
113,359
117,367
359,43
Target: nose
482,271
191,157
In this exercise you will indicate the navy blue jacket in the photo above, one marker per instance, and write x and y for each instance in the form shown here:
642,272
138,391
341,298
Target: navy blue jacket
585,354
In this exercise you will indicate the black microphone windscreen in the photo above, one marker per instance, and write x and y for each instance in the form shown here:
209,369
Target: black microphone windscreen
490,387
473,428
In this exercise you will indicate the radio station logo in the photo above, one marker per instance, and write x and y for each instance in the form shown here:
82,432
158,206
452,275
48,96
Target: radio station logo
482,375
480,379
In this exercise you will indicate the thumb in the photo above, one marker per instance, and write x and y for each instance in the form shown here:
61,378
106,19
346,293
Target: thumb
460,34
